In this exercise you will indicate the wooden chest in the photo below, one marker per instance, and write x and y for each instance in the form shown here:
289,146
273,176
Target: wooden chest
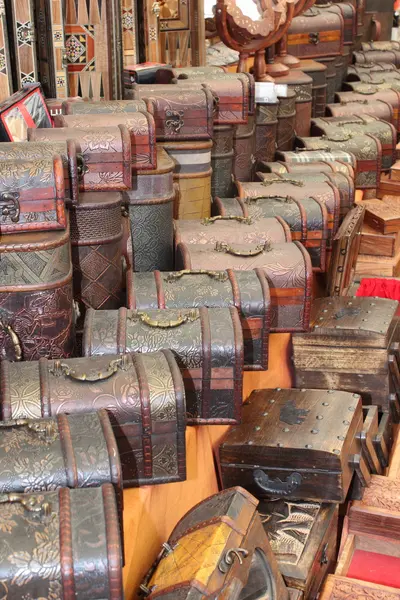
207,343
303,537
294,444
32,195
378,512
150,205
57,535
380,109
350,346
318,73
374,243
307,219
198,560
366,148
36,303
378,20
140,125
385,132
21,111
316,33
104,154
366,91
148,419
383,215
302,85
377,56
348,12
71,107
287,268
337,587
304,157
248,291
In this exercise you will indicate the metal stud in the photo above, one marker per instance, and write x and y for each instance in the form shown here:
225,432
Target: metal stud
336,451
257,428
278,389
316,326
351,408
319,417
272,401
356,395
250,442
314,431
286,430
308,446
346,422
325,404
340,437
330,391
303,390
265,414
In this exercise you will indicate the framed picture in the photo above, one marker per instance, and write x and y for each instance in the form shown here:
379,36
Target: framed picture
23,110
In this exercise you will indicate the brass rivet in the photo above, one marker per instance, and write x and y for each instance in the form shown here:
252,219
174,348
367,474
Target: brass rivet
340,437
278,389
330,391
325,310
279,445
319,417
257,428
321,318
272,401
325,404
265,414
303,390
249,442
349,303
336,451
308,446
314,431
316,327
286,429
351,408
346,422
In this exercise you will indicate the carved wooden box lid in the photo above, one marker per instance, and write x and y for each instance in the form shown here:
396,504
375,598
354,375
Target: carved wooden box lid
354,321
294,429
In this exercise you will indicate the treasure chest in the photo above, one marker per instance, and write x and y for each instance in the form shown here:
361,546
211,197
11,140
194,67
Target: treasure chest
302,85
266,120
318,73
68,542
295,444
366,91
206,342
36,303
71,107
303,537
141,127
375,243
71,451
146,73
192,177
148,418
217,550
286,119
385,132
366,148
248,291
348,12
323,166
305,158
22,110
316,33
244,147
104,155
150,205
358,71
281,185
345,587
351,345
96,234
348,107
307,219
32,195
180,114
377,56
378,21
287,268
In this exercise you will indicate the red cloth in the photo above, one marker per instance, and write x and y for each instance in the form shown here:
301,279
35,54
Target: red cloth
380,288
375,568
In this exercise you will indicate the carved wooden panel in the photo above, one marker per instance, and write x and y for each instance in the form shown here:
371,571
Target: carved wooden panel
6,88
129,28
21,23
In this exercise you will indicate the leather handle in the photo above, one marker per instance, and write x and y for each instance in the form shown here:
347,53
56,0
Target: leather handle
259,249
145,318
14,338
251,199
47,431
32,504
295,182
277,487
211,220
62,369
376,29
217,275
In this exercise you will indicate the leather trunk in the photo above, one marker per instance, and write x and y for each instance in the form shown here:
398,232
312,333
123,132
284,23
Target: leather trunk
307,219
286,120
287,268
96,234
316,33
140,125
383,131
278,457
386,57
248,291
303,537
348,107
348,12
366,148
207,344
330,168
350,347
378,20
284,186
318,73
193,178
71,107
266,132
211,533
180,114
148,419
32,195
330,64
375,92
150,205
301,84
303,157
222,160
357,72
104,154
73,529
36,303
244,148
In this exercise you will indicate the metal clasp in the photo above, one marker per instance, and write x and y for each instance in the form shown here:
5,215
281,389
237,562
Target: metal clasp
174,120
229,558
9,205
314,38
81,164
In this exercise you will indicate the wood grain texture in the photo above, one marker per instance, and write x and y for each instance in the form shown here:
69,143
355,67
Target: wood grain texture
343,588
23,34
378,244
6,86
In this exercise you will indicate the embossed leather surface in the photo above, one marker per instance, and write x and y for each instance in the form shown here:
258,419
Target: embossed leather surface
266,131
103,107
244,149
222,158
286,121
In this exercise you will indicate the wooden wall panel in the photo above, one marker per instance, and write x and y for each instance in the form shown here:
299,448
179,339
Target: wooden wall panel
52,61
6,87
21,18
129,29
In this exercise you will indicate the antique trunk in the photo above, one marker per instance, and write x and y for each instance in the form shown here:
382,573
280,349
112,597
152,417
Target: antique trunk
22,29
378,20
315,34
336,588
143,394
266,131
318,73
304,157
150,205
141,127
347,108
51,54
71,107
104,154
303,537
357,72
36,310
179,114
96,234
366,91
385,132
351,346
342,182
198,560
302,85
71,451
329,63
366,148
222,160
307,219
32,195
207,344
62,544
329,168
281,185
286,120
377,56
193,177
287,268
375,243
22,110
348,13
248,291
304,450
244,147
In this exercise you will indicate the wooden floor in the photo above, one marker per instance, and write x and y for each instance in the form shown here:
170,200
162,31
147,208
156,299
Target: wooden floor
150,513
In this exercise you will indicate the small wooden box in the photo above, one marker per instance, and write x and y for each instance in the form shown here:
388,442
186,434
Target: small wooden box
383,215
378,266
343,588
375,243
378,512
